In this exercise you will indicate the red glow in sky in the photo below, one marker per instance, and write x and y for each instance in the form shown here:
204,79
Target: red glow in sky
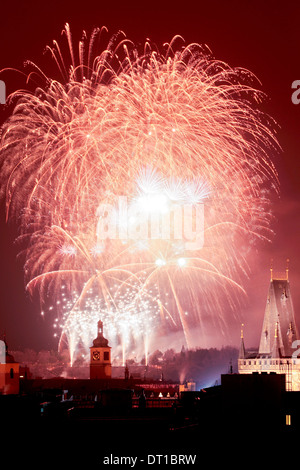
260,38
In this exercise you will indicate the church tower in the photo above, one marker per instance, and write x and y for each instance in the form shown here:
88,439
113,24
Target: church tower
279,321
100,358
279,338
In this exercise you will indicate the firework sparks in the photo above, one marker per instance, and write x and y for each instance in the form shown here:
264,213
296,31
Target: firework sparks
161,129
127,323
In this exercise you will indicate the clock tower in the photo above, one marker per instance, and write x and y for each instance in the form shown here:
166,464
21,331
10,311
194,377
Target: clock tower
100,361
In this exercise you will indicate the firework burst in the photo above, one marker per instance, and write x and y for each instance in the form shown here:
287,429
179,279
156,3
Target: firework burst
160,129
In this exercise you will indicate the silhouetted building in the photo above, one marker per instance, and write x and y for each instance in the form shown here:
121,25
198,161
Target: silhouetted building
253,402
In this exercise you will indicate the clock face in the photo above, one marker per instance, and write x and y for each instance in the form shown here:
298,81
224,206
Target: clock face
96,355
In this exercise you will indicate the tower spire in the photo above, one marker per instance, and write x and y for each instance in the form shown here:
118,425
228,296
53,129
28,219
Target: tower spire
279,315
242,352
242,331
271,269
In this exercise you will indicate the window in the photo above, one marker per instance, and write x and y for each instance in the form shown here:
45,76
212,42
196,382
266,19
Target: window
106,356
288,420
11,373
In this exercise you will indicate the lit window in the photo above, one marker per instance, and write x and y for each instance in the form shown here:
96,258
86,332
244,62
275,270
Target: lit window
288,420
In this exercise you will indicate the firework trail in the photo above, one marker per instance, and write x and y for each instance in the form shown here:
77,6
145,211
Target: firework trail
161,129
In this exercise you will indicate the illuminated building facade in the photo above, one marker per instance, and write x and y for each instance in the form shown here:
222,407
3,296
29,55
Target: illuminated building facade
279,350
9,372
100,358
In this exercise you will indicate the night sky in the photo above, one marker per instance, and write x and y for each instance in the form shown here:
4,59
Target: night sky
262,37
